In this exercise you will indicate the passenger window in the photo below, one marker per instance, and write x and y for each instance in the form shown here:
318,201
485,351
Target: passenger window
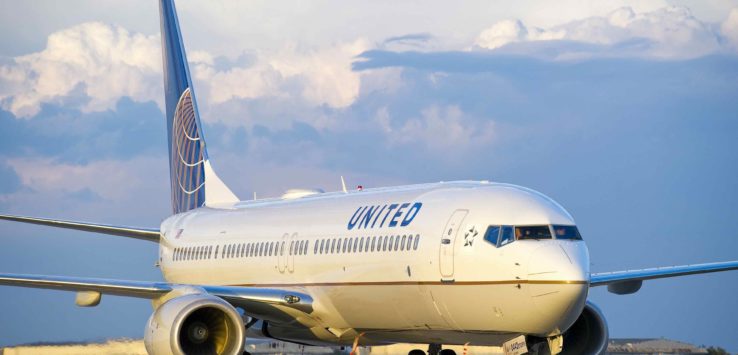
292,244
356,244
391,241
492,234
384,243
532,232
402,243
397,243
417,240
216,251
315,248
374,241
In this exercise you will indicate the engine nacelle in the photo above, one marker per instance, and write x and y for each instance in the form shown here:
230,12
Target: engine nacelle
589,334
194,324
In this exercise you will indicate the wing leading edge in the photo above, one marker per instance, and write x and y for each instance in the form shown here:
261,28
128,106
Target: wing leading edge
626,282
154,290
149,234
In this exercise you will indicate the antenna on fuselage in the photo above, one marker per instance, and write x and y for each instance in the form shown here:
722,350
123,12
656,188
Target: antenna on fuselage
343,185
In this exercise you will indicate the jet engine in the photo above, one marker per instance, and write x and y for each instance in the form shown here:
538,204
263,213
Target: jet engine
588,334
194,324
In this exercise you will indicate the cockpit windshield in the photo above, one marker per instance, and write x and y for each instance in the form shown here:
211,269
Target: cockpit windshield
532,232
503,235
567,232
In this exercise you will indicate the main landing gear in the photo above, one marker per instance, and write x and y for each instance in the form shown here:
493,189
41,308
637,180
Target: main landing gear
433,349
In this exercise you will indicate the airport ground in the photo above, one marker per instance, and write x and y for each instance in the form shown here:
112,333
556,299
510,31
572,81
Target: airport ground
136,347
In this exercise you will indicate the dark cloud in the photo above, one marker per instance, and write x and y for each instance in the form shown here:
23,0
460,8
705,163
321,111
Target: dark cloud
69,135
244,60
9,180
413,40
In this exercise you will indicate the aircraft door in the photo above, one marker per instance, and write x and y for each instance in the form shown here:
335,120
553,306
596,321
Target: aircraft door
292,251
448,244
282,253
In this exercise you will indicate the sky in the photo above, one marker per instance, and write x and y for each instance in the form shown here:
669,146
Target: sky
625,112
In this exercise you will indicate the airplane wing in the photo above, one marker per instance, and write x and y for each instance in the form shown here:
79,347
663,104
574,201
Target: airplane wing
153,290
149,234
626,282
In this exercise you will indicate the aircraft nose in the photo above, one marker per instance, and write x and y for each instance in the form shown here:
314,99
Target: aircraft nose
558,277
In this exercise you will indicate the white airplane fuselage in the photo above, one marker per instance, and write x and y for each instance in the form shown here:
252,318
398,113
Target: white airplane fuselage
402,274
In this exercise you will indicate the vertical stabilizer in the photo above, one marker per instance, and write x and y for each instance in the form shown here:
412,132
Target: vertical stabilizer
193,181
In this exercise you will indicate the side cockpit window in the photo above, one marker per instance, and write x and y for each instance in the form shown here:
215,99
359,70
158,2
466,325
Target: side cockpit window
492,234
499,235
506,236
567,232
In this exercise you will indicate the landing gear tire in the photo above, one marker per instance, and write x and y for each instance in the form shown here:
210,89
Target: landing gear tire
416,352
447,352
434,349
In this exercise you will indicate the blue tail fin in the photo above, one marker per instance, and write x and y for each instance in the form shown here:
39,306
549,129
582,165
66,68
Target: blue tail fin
189,167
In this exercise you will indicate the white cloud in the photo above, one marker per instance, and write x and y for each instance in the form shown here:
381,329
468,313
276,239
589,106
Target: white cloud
105,62
112,180
667,33
92,65
320,76
729,28
438,127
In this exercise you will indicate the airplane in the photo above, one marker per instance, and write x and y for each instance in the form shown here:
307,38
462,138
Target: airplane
435,264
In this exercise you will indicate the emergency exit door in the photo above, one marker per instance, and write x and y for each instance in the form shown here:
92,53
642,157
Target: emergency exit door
448,244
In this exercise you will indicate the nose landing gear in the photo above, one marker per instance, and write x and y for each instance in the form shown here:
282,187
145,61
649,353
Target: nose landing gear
433,349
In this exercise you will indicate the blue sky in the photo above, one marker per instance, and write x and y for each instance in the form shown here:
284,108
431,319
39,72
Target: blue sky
624,112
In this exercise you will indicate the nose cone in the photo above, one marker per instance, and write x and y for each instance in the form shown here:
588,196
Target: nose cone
558,277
